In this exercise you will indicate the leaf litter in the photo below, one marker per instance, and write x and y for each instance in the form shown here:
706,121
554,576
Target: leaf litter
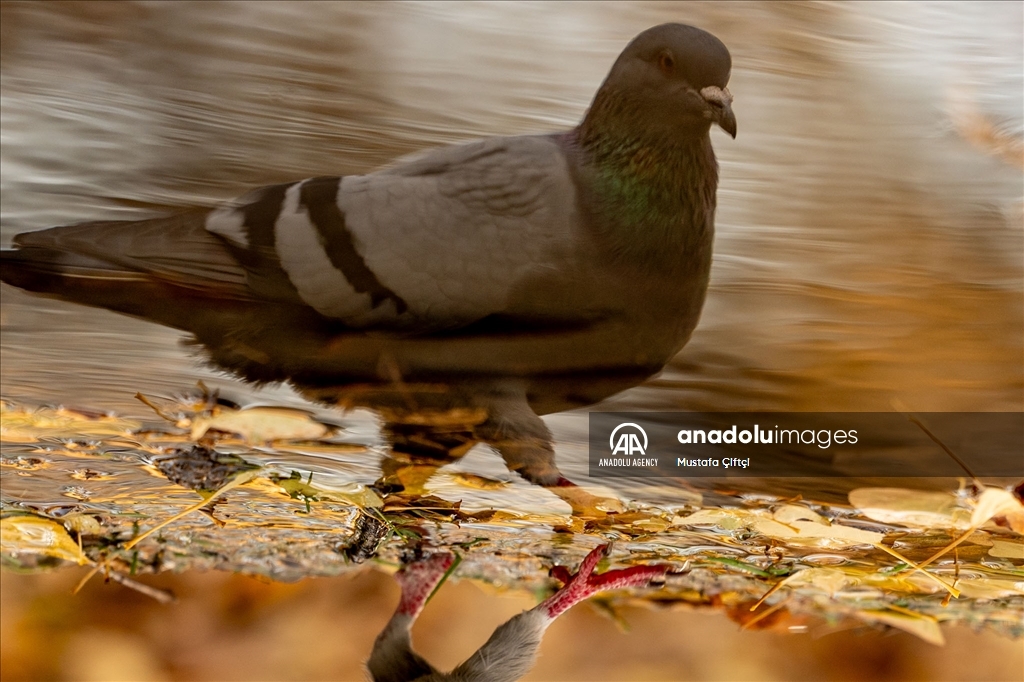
895,557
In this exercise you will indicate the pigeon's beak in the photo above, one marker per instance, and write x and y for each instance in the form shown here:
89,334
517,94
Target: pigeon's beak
720,108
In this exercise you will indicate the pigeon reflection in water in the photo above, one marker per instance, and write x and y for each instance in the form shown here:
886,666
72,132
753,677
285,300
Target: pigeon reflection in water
495,269
491,267
511,650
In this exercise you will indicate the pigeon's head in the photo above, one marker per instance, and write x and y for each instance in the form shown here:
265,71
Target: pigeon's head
674,76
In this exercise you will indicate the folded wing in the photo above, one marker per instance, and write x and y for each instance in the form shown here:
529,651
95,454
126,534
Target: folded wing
436,243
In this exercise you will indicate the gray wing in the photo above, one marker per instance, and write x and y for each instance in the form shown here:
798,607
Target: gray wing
174,248
440,242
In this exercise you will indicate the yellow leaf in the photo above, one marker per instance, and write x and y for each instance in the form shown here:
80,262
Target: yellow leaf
350,493
1007,549
478,482
836,535
917,508
924,627
772,528
829,580
817,533
728,519
262,424
791,512
990,588
83,524
38,535
27,426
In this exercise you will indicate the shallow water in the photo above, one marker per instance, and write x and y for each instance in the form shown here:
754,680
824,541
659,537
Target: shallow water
867,250
869,245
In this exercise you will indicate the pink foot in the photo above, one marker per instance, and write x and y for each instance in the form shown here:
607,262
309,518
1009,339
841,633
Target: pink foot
583,585
419,579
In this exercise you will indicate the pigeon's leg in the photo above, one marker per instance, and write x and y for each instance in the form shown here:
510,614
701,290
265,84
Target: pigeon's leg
512,649
586,505
427,426
392,658
417,451
585,584
520,436
527,446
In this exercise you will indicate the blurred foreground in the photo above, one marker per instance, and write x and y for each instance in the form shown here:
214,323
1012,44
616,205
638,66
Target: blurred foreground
231,627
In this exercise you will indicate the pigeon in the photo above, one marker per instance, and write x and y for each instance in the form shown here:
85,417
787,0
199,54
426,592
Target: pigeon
512,648
577,251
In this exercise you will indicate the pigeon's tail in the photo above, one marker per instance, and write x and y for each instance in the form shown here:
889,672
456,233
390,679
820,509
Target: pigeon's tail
78,278
48,271
128,266
172,271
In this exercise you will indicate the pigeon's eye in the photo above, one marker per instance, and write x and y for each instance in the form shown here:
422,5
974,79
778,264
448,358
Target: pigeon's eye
666,63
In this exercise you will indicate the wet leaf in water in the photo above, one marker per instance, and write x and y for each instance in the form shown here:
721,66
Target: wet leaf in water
37,535
788,513
400,508
478,482
82,524
652,524
1008,549
797,532
742,566
828,580
259,425
916,508
834,535
305,488
991,588
727,519
20,425
924,627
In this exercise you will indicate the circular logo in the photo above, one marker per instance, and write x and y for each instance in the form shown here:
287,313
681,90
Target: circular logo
627,443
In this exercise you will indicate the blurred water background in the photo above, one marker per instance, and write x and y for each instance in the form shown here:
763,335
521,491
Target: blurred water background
869,247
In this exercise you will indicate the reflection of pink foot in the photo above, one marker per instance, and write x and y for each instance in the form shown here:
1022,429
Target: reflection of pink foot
512,649
584,584
392,658
419,579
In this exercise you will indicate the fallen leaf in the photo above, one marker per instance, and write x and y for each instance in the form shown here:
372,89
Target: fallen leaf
837,535
727,519
788,513
916,508
990,588
27,426
815,533
82,523
829,580
924,627
262,424
1006,549
478,482
38,535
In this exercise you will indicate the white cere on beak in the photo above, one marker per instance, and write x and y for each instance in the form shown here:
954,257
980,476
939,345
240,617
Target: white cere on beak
713,93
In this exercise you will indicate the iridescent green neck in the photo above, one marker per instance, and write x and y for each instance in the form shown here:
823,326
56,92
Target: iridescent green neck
654,191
